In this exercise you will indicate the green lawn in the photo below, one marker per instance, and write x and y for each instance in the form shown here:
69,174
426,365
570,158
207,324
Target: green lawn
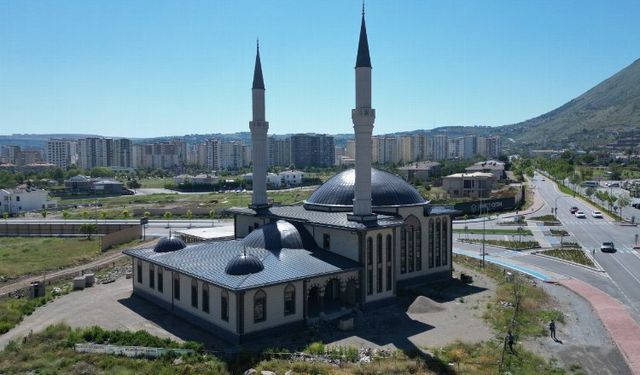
573,255
524,232
154,182
33,255
513,245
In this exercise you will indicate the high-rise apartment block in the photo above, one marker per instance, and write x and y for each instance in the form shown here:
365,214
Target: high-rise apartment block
312,150
279,151
62,152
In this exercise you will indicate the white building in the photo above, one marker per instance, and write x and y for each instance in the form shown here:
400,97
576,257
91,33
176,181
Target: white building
16,201
358,237
291,178
61,152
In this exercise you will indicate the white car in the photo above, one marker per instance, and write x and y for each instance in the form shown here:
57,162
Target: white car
580,215
597,214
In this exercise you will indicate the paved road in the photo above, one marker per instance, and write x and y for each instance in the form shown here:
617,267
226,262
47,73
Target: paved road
623,267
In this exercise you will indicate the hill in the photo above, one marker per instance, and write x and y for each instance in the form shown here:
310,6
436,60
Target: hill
605,113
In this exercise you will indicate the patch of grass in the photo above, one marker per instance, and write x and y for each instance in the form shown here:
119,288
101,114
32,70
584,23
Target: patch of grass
559,232
524,232
544,218
485,357
32,255
576,256
513,245
535,308
50,352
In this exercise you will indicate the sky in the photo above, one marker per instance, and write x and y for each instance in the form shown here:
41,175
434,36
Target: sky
150,68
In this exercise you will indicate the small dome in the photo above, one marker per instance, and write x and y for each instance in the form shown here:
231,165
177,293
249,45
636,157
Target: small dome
167,244
274,236
386,190
244,264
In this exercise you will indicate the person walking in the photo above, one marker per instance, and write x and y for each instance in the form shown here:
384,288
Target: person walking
510,340
552,330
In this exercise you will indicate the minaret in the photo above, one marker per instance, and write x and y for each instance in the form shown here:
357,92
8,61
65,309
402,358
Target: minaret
363,117
259,127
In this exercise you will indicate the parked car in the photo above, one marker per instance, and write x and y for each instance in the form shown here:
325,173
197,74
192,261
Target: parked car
608,247
636,205
574,209
597,214
580,215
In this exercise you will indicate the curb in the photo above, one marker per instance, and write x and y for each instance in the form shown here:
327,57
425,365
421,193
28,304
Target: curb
598,269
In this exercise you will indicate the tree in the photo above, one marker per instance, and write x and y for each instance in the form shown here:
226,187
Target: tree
212,215
103,215
125,213
146,214
133,184
101,172
5,215
44,214
65,214
167,215
623,201
88,229
85,215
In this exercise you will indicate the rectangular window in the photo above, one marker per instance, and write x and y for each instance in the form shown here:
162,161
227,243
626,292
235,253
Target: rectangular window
152,277
205,298
369,251
224,306
259,309
194,293
160,280
370,281
139,272
326,241
176,287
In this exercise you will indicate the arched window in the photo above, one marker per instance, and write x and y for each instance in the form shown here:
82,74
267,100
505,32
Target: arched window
289,300
160,280
194,293
152,277
432,241
369,265
176,286
418,248
403,250
205,297
379,263
445,241
438,247
139,271
389,262
224,305
259,306
412,225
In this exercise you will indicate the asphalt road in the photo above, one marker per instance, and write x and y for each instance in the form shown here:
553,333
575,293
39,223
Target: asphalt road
623,266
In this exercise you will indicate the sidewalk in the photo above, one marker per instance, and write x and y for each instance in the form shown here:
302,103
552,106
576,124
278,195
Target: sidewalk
624,331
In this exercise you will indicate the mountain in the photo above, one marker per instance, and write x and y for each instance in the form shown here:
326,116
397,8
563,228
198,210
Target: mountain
607,112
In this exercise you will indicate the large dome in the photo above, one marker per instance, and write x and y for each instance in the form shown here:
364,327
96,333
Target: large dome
387,190
274,236
167,244
244,264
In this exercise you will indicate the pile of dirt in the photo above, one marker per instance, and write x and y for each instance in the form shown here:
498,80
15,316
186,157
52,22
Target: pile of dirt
424,305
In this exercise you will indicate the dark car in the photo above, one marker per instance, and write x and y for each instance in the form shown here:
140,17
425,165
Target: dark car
608,247
574,209
636,205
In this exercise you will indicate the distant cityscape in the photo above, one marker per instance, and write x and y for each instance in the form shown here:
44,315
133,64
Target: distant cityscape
297,150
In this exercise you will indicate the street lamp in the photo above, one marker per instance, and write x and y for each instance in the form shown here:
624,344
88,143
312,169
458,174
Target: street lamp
484,221
555,203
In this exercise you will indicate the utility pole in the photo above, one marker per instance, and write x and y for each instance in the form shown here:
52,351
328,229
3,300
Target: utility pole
484,221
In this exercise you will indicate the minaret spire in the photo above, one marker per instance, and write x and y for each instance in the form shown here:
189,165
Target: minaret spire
258,81
259,128
363,117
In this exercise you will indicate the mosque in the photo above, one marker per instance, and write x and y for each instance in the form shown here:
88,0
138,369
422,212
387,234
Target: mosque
358,238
